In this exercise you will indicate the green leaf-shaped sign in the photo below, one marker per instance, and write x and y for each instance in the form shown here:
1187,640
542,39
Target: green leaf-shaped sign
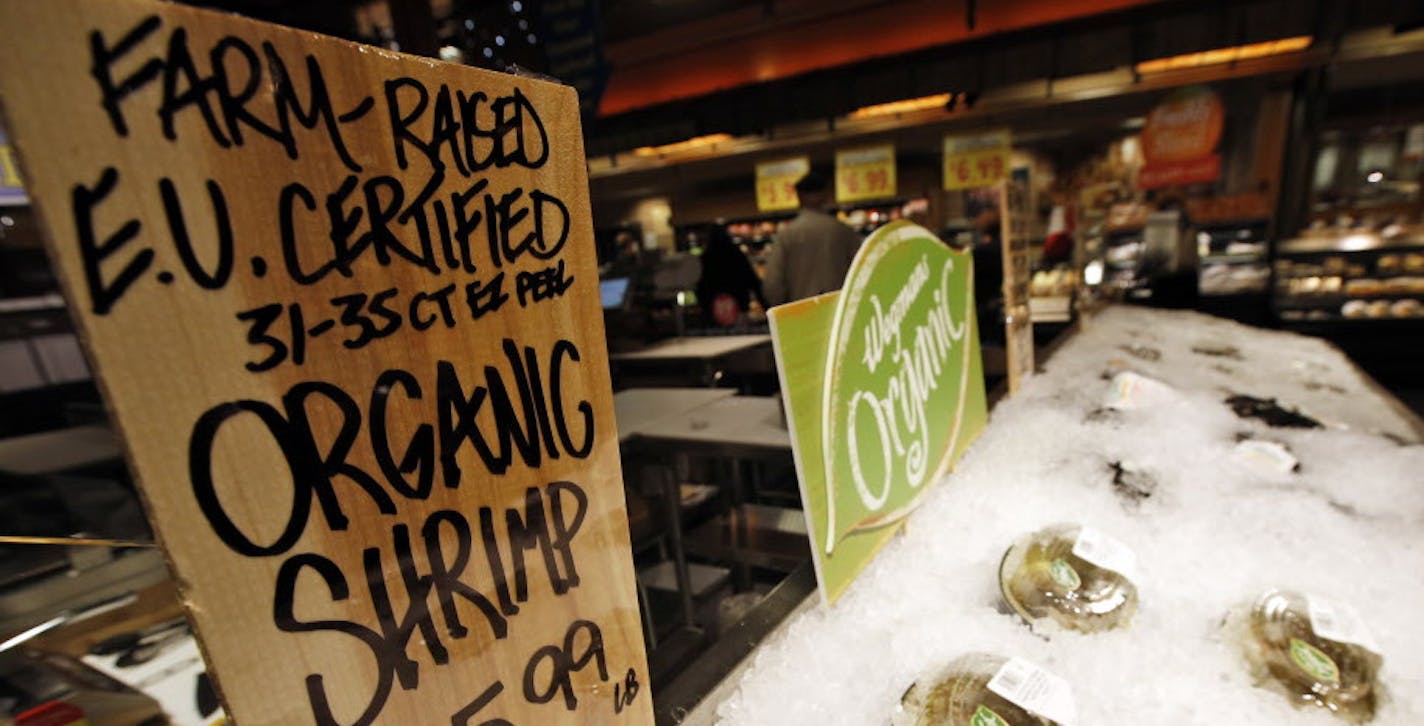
884,390
899,358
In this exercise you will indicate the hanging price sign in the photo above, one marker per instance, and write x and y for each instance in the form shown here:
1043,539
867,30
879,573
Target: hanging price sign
776,183
12,191
865,173
977,160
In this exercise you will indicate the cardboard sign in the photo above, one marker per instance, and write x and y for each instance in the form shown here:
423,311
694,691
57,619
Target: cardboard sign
977,160
776,184
344,308
1018,317
884,389
1180,137
866,173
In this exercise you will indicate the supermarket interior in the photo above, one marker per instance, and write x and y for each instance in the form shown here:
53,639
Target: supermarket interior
1176,477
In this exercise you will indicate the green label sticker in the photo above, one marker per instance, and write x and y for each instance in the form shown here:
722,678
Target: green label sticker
1314,662
1064,574
884,390
983,716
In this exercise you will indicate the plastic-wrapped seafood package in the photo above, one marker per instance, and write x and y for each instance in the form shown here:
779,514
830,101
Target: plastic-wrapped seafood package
1313,651
980,689
1074,576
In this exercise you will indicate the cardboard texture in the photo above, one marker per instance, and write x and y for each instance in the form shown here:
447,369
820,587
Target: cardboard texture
884,390
343,306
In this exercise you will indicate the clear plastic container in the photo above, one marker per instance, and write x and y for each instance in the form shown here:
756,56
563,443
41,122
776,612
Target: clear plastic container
960,696
1041,577
1286,654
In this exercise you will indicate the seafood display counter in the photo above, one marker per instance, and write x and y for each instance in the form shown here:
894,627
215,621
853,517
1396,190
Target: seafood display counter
1181,520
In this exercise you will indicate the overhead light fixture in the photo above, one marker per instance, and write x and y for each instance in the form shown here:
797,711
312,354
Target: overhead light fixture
692,144
913,104
1226,55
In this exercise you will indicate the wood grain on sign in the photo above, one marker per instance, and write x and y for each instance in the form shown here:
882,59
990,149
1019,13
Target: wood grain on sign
1018,320
343,305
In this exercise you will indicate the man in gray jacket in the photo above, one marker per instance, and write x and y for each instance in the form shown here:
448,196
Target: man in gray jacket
810,255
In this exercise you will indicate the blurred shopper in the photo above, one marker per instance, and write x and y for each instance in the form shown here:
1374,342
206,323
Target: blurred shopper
989,276
810,255
627,255
728,282
1057,250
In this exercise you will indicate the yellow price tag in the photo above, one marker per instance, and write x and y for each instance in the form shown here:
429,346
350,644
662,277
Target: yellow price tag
776,183
867,173
978,160
9,170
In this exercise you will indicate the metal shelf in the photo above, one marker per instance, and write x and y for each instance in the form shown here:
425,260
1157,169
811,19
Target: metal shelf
1362,242
1224,259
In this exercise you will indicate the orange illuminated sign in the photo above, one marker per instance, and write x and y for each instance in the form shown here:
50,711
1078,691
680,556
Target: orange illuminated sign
1180,137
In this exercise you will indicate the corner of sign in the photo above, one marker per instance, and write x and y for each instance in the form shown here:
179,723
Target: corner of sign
518,71
190,605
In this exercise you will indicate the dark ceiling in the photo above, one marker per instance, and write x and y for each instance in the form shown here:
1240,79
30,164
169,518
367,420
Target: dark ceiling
331,17
624,19
1089,45
1094,44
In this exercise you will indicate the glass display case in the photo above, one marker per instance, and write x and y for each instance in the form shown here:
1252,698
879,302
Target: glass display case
1351,275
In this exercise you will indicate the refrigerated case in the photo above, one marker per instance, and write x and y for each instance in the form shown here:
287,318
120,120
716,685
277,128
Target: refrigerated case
1234,258
1233,248
1349,277
1084,444
1234,254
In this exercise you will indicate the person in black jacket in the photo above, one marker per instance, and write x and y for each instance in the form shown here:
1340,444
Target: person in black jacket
989,277
728,282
